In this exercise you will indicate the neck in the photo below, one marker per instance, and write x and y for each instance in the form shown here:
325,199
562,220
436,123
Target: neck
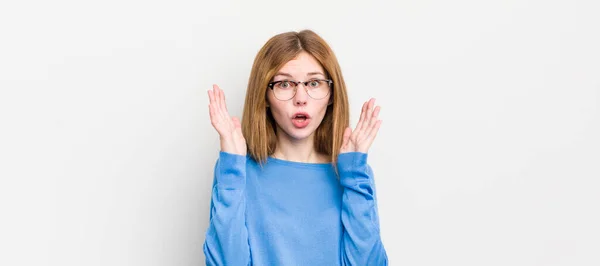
298,150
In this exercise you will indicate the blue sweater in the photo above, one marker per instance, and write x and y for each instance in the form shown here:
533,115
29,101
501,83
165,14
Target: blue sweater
292,213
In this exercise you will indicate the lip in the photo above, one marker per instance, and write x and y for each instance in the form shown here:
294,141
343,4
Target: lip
301,113
299,124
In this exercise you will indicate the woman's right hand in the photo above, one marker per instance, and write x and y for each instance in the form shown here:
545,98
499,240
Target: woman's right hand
229,128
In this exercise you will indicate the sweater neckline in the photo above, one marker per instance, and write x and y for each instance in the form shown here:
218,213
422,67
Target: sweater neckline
298,164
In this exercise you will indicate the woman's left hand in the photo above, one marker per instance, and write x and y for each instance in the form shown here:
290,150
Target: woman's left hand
363,135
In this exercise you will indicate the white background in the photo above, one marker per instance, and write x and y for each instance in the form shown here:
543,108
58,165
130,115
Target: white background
489,153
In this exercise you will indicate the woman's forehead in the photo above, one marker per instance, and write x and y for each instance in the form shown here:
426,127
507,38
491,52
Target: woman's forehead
303,65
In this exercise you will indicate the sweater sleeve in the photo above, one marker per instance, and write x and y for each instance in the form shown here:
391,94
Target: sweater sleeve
227,236
361,241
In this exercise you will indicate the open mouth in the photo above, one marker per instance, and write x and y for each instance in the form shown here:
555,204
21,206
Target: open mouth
301,117
300,120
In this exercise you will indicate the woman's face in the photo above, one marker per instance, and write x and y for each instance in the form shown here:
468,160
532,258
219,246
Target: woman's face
299,117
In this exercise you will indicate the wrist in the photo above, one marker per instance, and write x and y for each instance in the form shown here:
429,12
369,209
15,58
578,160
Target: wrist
229,146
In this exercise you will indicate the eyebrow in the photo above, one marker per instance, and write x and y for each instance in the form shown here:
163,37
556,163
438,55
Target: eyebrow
283,74
290,76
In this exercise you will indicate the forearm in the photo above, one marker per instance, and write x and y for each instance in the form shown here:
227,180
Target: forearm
227,237
361,240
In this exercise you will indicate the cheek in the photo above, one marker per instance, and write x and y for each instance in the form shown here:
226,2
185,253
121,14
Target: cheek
277,110
324,106
321,111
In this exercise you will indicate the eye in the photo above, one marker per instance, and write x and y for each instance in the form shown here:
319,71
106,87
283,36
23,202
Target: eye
284,84
314,83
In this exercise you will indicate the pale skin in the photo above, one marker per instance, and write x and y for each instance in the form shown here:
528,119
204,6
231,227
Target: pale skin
295,144
361,138
232,139
229,128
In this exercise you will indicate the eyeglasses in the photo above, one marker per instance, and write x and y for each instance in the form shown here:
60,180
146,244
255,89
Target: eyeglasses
315,88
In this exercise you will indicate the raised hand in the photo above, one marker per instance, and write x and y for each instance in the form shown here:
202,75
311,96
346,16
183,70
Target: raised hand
229,128
363,135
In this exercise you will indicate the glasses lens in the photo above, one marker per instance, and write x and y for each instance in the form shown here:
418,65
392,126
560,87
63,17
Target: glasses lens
284,90
318,89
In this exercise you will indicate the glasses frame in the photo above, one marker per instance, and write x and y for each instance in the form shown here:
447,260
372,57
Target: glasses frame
296,83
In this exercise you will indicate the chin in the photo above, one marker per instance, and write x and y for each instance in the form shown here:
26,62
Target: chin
299,134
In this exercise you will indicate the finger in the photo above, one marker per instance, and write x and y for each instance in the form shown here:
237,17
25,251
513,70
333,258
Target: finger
211,111
362,118
211,99
371,111
223,102
216,97
366,119
376,112
370,108
365,144
346,136
373,118
222,109
211,96
373,131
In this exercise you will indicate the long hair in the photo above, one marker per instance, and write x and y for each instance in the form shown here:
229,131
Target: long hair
259,126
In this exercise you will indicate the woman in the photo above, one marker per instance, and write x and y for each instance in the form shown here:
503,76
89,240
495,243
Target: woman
292,185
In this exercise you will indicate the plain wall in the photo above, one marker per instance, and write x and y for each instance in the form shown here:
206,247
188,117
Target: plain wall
489,152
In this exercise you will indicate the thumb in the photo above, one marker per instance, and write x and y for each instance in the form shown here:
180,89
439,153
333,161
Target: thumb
236,122
346,136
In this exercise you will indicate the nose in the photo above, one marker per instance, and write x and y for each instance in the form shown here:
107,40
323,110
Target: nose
301,95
